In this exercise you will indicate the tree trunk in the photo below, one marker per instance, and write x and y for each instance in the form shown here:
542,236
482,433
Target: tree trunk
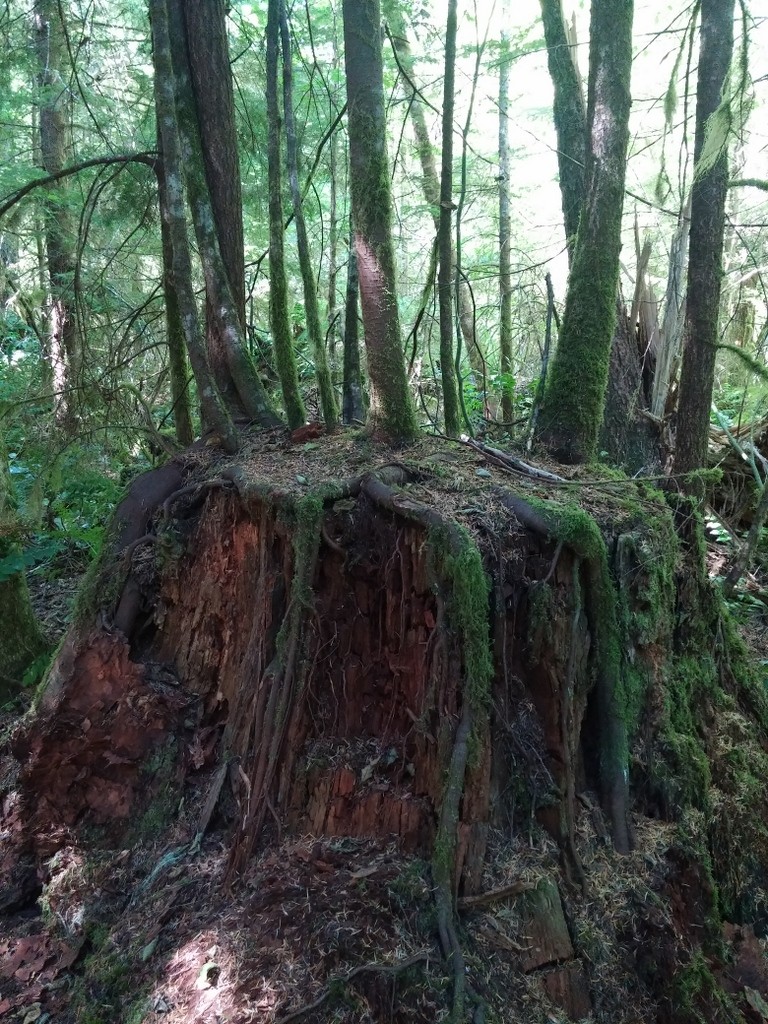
55,149
352,388
282,340
311,307
391,408
668,355
334,314
708,197
575,396
204,26
445,273
215,414
174,328
240,386
570,118
431,180
506,363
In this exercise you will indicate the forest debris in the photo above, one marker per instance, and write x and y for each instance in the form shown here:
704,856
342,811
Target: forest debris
422,956
544,923
505,460
485,899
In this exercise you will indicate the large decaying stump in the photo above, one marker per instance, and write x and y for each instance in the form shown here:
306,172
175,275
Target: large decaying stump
400,652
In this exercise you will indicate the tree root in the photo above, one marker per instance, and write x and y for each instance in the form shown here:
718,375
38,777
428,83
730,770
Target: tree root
469,610
588,547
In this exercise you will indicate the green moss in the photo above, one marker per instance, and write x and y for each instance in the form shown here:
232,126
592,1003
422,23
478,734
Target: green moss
697,997
159,777
575,395
460,574
575,527
102,583
309,512
540,617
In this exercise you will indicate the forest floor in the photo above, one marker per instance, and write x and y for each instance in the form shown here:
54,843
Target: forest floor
136,925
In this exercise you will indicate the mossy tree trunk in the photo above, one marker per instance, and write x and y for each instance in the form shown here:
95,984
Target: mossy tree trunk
391,408
282,340
65,345
575,395
311,308
174,328
236,376
352,384
705,272
570,118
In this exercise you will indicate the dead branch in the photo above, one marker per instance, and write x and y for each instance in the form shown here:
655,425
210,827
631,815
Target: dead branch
486,899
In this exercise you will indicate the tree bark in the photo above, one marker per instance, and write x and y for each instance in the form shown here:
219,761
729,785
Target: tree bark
391,407
445,234
174,328
311,307
282,340
208,54
708,197
570,118
505,236
352,388
575,396
243,391
65,353
214,412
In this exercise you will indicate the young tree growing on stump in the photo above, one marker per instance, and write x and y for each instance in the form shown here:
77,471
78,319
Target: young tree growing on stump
710,186
352,382
431,186
175,239
505,236
570,118
279,317
198,67
174,328
311,307
445,233
575,395
64,342
391,408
